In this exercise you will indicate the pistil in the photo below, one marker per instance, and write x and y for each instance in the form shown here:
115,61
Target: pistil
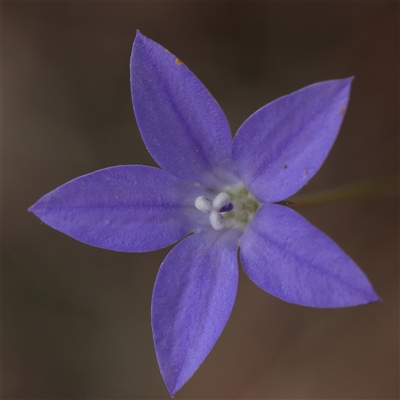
214,208
238,205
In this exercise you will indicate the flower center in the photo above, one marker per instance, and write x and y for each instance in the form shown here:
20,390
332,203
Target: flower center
215,208
236,203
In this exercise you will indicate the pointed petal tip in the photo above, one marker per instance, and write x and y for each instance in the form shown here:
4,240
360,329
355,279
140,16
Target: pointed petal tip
142,39
34,209
139,35
348,81
375,299
343,84
172,391
369,298
138,39
174,387
349,78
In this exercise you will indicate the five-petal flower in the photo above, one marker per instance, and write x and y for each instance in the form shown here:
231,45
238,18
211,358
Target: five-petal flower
217,194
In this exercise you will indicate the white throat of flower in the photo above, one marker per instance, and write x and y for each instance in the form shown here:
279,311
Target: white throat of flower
236,203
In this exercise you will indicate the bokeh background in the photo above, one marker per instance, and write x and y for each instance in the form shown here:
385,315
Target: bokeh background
76,319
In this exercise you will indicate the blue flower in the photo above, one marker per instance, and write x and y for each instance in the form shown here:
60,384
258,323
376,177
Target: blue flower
213,195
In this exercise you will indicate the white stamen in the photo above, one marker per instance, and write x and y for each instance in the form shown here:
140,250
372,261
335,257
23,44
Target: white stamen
221,200
203,204
216,220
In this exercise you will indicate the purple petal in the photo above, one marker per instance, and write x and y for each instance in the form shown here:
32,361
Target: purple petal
280,147
193,297
291,259
125,208
181,124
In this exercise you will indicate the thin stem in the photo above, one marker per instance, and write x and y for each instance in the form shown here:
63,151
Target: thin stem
379,188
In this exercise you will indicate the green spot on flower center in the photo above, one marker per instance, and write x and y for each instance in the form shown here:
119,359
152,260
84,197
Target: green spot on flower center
245,206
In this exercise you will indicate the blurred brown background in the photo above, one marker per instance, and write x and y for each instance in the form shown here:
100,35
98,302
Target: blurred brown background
76,319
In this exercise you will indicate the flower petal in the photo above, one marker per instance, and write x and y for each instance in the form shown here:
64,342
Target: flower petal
193,297
125,208
291,259
280,147
181,124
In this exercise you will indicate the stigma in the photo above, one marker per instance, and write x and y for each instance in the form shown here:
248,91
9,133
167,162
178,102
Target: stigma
232,208
214,208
